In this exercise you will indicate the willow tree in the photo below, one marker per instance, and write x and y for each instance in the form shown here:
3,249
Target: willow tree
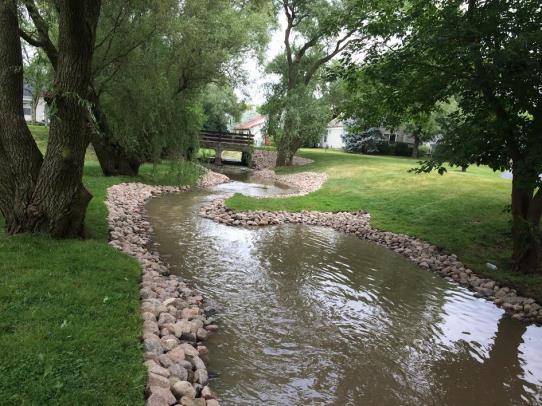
315,33
154,103
124,27
46,194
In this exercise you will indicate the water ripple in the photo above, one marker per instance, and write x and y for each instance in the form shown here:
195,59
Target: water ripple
311,316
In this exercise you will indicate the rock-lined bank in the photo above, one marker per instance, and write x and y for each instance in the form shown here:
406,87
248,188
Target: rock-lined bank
424,254
210,178
175,325
302,182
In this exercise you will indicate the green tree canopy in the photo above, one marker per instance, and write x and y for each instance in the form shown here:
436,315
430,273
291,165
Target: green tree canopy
487,55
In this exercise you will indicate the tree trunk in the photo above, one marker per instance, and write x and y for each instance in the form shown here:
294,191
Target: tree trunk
290,156
35,101
286,149
526,236
464,168
282,155
20,158
60,199
52,198
113,158
416,148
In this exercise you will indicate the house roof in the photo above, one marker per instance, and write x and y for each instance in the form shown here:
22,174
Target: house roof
336,123
253,122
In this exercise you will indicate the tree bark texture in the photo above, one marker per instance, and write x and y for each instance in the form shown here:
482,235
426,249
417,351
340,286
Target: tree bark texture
113,157
52,199
526,235
20,158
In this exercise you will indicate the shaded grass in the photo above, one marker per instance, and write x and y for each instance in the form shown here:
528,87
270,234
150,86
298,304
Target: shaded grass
463,213
69,309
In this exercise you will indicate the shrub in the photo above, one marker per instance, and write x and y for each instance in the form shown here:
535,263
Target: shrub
383,148
423,150
402,149
367,142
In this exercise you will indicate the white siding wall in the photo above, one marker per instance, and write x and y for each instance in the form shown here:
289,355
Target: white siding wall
40,110
333,138
258,134
27,106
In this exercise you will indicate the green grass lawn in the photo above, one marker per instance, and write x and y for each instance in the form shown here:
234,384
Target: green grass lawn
461,212
69,310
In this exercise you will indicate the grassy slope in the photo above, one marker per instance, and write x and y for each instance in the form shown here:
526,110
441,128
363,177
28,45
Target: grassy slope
69,324
461,212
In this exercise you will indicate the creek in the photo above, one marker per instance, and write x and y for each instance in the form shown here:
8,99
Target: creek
309,315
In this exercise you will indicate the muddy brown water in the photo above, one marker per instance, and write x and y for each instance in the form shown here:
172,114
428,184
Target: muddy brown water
310,316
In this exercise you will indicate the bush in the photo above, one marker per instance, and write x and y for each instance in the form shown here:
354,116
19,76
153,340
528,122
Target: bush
383,148
368,142
402,149
423,151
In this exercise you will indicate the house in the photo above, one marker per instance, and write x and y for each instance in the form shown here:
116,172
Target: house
336,129
27,106
333,138
398,136
256,125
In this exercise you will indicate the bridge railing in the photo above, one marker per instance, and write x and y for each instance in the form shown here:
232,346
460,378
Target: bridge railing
228,141
216,137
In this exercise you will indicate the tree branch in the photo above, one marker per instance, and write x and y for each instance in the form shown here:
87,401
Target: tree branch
42,29
339,47
30,39
116,25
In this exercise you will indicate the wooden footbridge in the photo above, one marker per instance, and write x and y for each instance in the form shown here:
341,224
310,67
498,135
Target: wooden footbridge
225,141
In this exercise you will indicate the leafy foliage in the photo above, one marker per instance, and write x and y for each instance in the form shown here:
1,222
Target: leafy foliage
315,33
296,116
487,56
177,64
221,107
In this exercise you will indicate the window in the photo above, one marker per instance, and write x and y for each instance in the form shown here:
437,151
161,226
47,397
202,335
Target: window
27,111
392,138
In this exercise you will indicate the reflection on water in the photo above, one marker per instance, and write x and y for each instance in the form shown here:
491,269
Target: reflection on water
312,316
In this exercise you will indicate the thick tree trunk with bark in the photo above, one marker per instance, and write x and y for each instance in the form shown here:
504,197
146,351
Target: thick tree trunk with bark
281,156
113,158
20,158
52,198
286,150
60,199
526,235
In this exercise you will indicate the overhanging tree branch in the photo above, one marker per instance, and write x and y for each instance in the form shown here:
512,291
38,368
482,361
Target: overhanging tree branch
42,29
30,39
340,46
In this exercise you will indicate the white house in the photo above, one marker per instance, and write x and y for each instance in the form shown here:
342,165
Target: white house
336,129
333,138
27,106
256,126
